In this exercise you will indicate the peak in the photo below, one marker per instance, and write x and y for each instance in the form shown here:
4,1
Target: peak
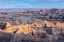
8,25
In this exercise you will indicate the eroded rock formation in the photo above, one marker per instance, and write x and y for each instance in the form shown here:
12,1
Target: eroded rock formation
33,32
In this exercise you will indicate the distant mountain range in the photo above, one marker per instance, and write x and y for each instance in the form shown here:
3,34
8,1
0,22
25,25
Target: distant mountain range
22,9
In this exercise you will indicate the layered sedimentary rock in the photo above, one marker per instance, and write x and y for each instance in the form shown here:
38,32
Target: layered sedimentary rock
54,24
36,24
35,31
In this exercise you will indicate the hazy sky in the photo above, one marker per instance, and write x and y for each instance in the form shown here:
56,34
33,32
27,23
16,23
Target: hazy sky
31,4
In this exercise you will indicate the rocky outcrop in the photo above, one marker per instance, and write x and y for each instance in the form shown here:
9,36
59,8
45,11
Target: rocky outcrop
39,34
58,31
6,37
36,24
10,29
24,29
54,24
8,25
23,37
34,32
2,25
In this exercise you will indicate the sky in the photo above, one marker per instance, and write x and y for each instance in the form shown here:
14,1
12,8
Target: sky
4,4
